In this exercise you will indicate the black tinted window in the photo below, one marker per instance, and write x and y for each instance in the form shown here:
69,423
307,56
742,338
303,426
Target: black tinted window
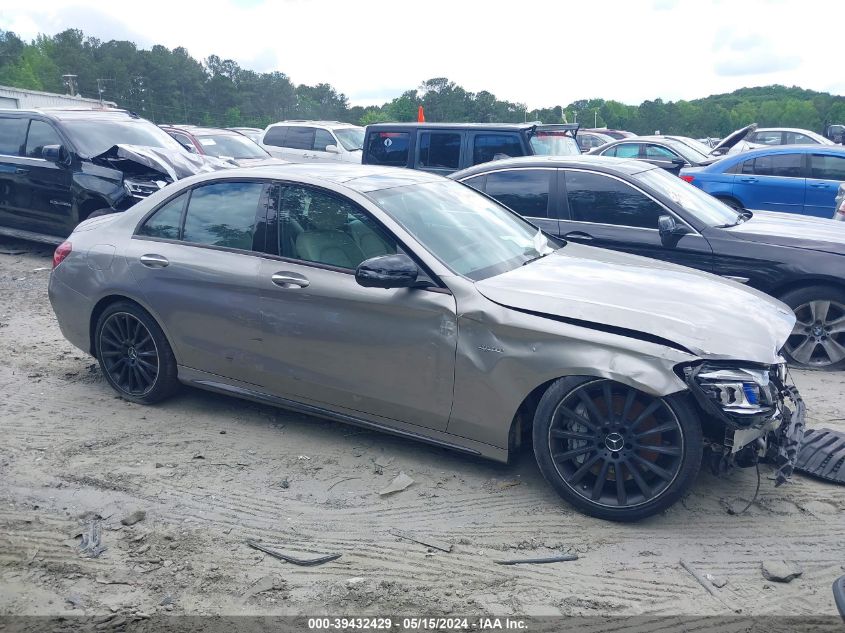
12,133
167,221
322,139
316,227
598,198
388,148
223,214
788,165
487,147
299,138
440,150
526,191
40,134
276,136
827,167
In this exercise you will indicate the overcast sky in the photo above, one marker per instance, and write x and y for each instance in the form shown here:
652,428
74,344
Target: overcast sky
535,52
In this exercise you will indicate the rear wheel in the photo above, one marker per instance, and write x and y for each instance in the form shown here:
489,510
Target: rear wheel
134,354
818,338
615,452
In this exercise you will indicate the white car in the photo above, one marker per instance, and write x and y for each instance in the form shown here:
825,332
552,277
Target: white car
763,136
319,141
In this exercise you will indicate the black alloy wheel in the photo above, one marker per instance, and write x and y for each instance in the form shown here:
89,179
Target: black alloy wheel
135,357
617,452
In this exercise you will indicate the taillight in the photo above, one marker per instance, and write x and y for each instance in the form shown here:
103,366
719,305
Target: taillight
687,178
62,251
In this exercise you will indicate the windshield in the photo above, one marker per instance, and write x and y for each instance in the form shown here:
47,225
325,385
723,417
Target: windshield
230,146
698,146
690,154
690,198
93,137
351,138
469,233
554,144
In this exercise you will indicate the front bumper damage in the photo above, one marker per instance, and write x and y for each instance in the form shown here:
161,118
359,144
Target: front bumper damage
763,423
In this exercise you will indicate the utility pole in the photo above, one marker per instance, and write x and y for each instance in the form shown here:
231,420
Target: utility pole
595,118
70,84
101,88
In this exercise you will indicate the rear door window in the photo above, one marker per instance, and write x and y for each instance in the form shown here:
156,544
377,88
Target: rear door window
659,152
322,139
40,134
826,167
605,200
526,191
788,165
299,138
624,150
796,138
223,214
767,138
439,150
388,148
12,135
487,147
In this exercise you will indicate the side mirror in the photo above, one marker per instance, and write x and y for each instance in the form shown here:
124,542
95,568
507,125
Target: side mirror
669,228
54,153
387,271
332,149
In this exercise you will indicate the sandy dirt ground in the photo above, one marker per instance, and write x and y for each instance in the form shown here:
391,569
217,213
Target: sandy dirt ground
211,472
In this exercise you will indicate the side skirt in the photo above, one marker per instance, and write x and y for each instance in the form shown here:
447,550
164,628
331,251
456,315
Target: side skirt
222,385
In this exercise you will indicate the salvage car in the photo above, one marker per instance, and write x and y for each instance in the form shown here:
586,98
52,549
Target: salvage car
228,145
667,152
630,206
59,167
405,302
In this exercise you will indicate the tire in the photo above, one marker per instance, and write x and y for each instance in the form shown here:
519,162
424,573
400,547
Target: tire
134,355
733,204
577,446
818,340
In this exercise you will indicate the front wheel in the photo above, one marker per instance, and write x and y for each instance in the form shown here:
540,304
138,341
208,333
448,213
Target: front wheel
615,452
818,338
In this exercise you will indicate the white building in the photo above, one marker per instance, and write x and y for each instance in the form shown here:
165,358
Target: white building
20,99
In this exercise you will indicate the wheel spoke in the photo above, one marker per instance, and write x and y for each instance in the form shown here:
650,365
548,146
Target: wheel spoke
591,406
835,351
801,328
598,487
818,309
571,435
608,399
629,401
672,451
664,428
804,351
621,493
575,452
836,326
638,478
569,413
578,475
145,377
657,470
150,366
642,417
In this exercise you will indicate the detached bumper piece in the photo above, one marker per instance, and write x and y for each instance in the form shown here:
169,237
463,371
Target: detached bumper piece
790,434
822,455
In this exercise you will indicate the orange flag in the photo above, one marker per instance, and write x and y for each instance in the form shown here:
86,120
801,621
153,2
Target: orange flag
420,115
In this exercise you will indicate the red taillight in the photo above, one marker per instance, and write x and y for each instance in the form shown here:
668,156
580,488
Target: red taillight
62,251
687,178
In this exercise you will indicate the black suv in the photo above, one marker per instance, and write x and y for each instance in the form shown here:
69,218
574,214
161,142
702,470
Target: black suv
446,147
59,167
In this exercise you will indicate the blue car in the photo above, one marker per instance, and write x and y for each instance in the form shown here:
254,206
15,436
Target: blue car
800,179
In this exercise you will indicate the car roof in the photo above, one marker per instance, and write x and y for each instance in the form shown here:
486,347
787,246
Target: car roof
360,178
200,131
76,113
328,124
607,164
784,129
473,126
814,148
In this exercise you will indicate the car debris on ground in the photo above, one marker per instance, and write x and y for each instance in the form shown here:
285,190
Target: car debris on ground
399,484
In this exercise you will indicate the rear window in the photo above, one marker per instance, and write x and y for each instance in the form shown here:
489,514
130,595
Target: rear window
554,144
388,148
12,134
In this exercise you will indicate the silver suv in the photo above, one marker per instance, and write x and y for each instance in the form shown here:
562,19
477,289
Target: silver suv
301,141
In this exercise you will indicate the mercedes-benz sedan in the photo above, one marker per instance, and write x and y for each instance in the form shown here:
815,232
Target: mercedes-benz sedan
402,301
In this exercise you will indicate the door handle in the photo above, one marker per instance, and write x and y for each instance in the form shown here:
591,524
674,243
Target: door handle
154,261
290,280
21,170
579,236
819,185
748,180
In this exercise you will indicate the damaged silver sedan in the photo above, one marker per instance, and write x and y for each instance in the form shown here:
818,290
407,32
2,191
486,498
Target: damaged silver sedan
401,301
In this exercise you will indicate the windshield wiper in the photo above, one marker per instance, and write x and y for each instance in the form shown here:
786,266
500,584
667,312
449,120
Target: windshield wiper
536,257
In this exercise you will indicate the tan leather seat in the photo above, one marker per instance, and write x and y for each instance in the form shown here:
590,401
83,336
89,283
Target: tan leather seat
324,241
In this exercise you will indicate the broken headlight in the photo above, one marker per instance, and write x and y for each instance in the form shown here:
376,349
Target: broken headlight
142,188
743,396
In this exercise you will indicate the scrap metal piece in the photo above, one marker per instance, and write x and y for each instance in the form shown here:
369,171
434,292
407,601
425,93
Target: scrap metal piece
91,546
538,561
423,540
822,455
302,562
790,434
704,583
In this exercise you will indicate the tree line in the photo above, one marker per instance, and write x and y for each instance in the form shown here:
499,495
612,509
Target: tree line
170,86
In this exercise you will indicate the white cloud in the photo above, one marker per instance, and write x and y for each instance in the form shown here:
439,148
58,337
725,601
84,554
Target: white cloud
539,52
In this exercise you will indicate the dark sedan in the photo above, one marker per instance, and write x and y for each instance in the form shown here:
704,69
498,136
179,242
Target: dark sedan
670,153
631,206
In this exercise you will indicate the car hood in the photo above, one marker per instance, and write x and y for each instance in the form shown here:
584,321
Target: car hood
648,299
732,139
786,229
174,165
